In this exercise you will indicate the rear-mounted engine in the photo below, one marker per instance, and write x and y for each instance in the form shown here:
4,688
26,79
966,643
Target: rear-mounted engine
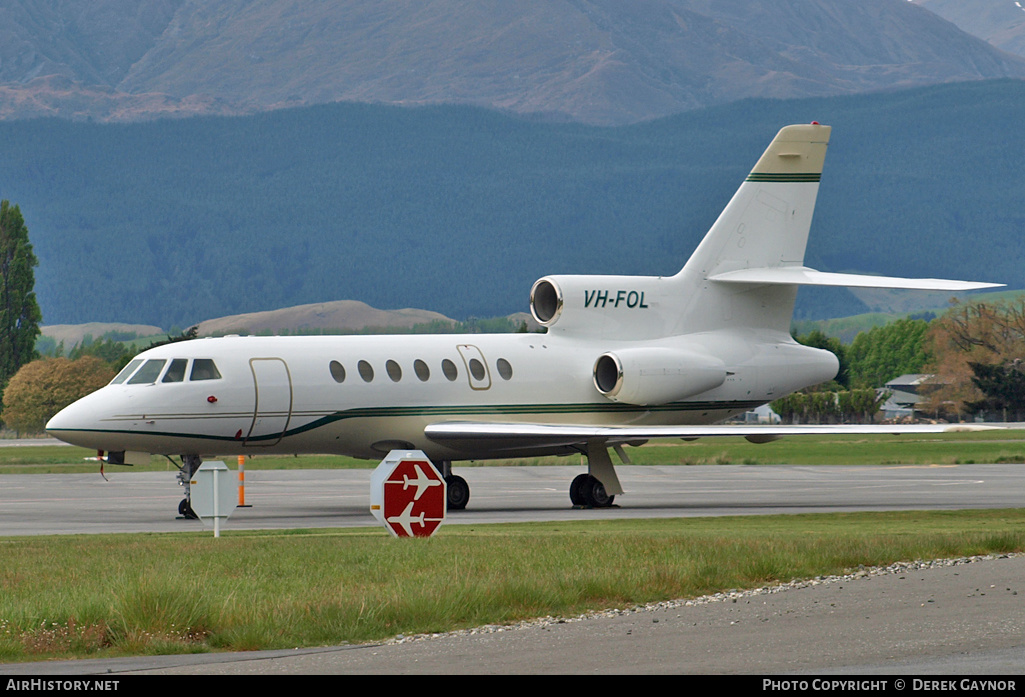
545,302
649,375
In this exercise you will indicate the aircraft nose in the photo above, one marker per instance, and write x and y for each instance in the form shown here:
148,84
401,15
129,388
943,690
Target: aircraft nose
63,421
73,423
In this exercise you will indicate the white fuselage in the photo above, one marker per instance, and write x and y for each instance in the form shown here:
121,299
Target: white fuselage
288,394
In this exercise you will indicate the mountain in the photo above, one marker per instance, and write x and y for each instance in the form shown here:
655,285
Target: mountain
999,22
337,315
459,209
593,61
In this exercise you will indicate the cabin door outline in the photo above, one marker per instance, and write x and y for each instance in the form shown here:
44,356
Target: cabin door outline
272,406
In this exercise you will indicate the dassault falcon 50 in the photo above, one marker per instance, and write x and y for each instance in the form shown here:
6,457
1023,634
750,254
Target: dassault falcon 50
625,359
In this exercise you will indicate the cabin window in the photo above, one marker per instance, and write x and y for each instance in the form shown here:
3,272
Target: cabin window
421,370
204,369
176,371
394,371
337,371
148,373
477,369
126,371
366,371
504,368
449,369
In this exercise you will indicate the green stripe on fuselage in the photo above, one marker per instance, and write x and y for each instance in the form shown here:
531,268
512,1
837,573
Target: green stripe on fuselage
785,178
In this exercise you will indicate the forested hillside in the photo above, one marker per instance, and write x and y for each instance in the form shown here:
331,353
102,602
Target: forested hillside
458,209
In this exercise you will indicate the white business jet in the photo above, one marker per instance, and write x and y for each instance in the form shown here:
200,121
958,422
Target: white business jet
625,359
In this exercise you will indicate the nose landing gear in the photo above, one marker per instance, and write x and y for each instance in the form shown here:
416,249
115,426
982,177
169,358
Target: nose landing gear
190,464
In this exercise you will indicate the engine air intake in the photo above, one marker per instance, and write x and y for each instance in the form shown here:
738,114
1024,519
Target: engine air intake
545,302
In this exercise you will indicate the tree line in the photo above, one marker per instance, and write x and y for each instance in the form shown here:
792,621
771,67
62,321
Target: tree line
974,355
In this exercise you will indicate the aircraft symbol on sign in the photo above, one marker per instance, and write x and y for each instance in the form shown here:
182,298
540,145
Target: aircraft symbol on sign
406,518
422,482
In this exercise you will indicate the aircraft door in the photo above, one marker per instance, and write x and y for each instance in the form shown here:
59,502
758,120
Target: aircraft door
273,405
476,366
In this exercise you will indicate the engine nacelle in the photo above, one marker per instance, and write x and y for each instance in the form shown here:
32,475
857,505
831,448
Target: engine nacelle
649,375
596,305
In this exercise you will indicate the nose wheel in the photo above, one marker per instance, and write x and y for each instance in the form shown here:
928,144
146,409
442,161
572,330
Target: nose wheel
185,510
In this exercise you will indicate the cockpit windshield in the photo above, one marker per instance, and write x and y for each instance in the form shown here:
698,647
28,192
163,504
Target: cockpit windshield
150,371
126,371
176,371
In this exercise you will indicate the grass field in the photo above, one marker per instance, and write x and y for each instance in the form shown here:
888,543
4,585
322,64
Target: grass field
104,595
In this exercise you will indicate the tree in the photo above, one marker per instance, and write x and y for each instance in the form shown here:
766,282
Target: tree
963,342
42,388
823,406
888,351
1003,387
19,311
114,353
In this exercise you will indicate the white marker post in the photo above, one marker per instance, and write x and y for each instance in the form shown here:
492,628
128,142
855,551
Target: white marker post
214,493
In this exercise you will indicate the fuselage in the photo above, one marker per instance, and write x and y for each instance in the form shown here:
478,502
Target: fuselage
366,395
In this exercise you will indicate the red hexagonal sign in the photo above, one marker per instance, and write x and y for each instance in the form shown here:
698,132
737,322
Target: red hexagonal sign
408,494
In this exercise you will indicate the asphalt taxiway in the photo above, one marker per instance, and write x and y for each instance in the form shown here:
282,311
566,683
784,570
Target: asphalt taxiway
148,502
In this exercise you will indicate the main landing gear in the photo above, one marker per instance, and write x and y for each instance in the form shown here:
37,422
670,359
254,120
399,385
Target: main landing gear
588,491
457,488
599,487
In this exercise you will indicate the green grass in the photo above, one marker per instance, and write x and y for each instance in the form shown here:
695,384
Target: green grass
946,448
108,595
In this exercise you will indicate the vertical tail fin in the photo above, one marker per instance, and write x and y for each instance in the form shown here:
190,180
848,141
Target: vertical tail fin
765,225
743,275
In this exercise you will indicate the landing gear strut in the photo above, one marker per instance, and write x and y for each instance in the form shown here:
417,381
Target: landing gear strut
190,464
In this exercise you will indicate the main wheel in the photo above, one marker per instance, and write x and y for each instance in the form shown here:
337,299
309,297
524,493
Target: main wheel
576,490
593,492
458,492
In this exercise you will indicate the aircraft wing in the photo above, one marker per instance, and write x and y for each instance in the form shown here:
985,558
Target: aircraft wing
515,436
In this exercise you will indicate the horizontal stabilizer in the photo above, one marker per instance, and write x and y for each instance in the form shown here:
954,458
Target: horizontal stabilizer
803,276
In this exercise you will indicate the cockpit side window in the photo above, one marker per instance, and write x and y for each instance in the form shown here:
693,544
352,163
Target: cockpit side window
176,371
148,373
204,369
126,371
